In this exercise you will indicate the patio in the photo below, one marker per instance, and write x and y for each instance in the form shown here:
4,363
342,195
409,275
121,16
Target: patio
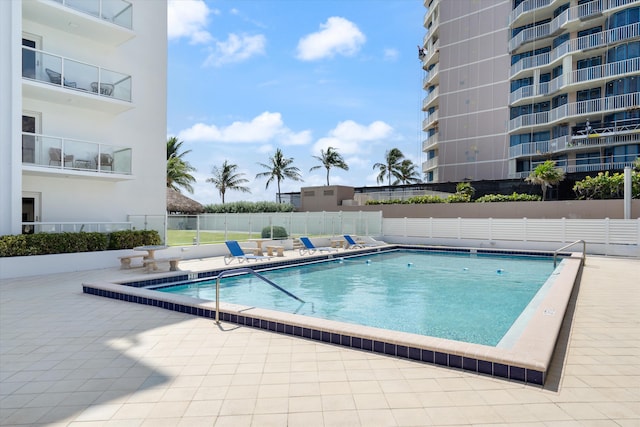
67,358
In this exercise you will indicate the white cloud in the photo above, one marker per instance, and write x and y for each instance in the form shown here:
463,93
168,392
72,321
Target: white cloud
337,36
188,18
266,128
348,136
391,54
236,48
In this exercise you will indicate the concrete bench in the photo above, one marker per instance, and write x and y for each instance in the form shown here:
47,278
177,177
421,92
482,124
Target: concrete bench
152,264
278,249
125,261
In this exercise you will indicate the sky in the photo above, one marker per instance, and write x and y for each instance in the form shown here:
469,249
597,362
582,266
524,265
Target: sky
246,77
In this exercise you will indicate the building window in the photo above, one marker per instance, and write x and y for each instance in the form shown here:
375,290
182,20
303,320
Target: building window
623,52
517,84
560,39
624,17
559,100
589,62
589,31
561,9
622,153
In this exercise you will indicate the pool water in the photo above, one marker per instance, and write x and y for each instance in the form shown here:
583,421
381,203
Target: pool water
464,297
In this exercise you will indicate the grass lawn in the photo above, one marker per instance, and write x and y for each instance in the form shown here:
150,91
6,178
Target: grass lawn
185,237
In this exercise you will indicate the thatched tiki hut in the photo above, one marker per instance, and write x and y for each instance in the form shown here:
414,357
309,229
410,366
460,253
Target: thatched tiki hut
180,204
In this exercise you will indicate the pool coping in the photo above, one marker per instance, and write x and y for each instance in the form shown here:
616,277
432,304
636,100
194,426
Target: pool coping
526,361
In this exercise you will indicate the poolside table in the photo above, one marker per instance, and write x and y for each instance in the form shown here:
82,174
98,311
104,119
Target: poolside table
150,249
259,243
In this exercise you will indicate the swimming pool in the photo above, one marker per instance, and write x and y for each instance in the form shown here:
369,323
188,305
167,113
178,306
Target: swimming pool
524,356
460,296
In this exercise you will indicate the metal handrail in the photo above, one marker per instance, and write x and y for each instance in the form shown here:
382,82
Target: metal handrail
245,270
584,251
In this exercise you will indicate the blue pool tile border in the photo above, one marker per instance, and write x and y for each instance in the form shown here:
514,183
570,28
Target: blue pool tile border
390,349
495,369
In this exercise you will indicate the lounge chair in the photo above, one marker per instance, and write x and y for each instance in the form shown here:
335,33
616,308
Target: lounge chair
236,252
310,248
352,244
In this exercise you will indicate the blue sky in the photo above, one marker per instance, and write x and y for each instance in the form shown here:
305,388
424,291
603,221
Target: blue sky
248,76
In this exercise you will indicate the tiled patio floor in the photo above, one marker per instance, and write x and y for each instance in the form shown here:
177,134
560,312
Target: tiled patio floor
67,358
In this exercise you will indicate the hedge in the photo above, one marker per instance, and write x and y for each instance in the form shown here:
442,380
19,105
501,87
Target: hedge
62,243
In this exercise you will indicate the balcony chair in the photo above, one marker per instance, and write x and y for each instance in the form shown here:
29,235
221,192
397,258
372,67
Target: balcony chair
56,78
105,88
106,161
55,156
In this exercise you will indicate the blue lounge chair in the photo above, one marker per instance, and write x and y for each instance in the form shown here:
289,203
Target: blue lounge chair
352,244
236,252
310,248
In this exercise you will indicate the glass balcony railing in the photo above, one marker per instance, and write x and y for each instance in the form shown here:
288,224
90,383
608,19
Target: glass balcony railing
62,153
74,75
119,12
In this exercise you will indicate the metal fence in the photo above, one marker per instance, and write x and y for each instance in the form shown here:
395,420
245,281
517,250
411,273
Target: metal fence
216,228
594,231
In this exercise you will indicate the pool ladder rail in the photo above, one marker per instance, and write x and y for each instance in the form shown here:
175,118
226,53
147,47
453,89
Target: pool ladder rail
584,252
242,270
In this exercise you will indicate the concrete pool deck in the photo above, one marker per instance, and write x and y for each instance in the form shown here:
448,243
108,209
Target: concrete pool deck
67,358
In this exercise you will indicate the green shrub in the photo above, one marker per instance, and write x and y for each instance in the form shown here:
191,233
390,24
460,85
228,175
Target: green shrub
249,207
60,243
385,202
515,197
129,239
458,198
425,199
278,232
605,186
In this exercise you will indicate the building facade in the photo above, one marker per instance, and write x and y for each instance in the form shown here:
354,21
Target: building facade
83,135
568,91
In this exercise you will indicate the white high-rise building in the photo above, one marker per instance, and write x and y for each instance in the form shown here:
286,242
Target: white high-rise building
512,83
83,113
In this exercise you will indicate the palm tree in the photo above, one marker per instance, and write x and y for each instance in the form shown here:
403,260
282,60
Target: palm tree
225,178
391,165
279,169
173,148
546,175
408,173
330,158
178,169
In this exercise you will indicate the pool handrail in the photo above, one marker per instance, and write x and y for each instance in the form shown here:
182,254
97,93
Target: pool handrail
584,252
245,270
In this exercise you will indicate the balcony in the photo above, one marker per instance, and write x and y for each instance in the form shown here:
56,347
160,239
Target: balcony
430,99
432,76
47,155
576,80
433,53
106,21
74,82
527,6
629,101
430,143
430,121
430,164
592,41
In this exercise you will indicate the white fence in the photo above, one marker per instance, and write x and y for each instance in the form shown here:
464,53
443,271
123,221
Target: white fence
608,236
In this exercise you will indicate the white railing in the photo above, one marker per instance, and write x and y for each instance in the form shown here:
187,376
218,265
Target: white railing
428,100
538,147
562,112
216,228
430,164
527,6
563,81
430,142
66,153
74,75
119,12
593,231
74,227
428,122
590,41
597,167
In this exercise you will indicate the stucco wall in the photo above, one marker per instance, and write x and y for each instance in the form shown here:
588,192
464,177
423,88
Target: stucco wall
576,209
